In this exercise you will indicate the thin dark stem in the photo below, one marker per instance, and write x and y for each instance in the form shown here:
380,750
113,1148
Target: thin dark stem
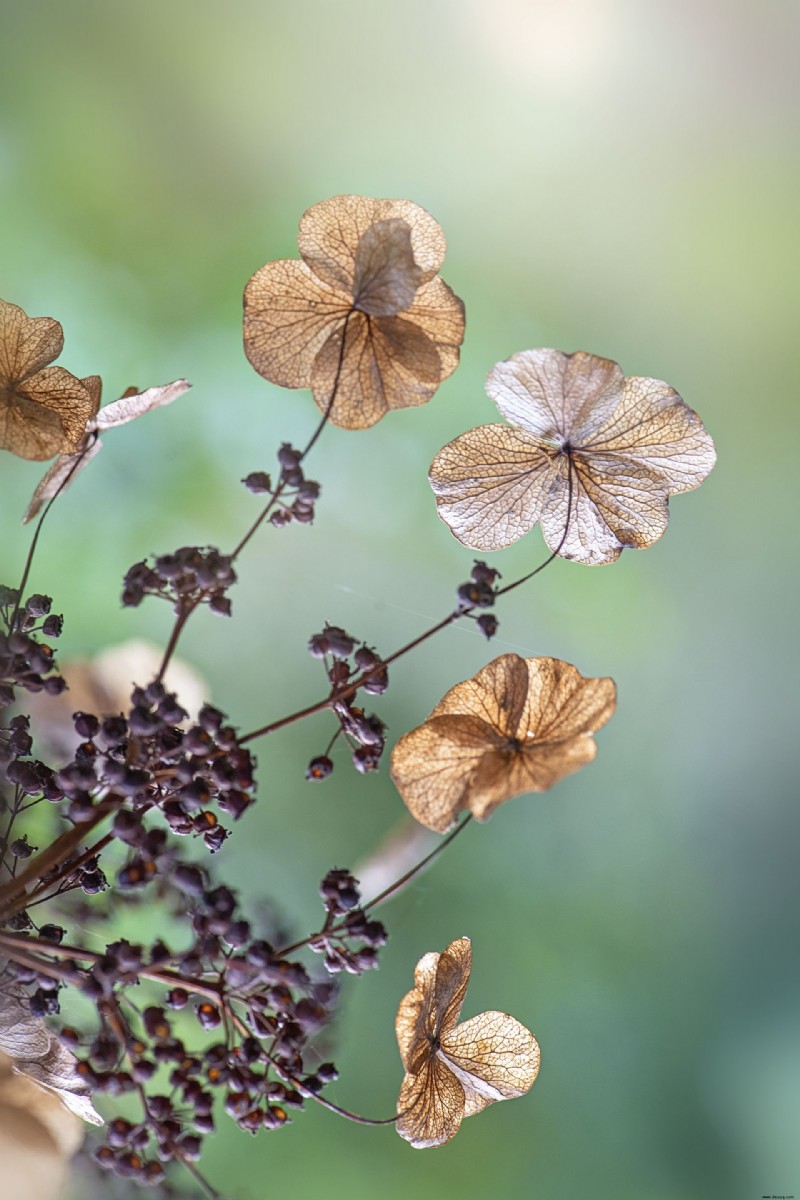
352,686
34,540
345,1112
333,741
22,948
510,587
259,521
393,887
177,630
334,389
268,507
50,858
200,1179
297,1083
437,850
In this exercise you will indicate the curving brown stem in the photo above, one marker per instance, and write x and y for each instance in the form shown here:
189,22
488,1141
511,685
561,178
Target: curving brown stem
274,497
384,895
13,895
350,688
35,539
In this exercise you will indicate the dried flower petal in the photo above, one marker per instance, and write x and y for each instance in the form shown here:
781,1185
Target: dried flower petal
454,1071
386,277
362,318
43,409
331,231
590,455
36,1052
517,726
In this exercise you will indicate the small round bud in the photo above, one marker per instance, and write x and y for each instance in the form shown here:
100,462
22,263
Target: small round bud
340,643
288,457
475,595
280,517
319,767
52,933
488,624
483,573
38,605
86,724
53,625
208,1015
257,481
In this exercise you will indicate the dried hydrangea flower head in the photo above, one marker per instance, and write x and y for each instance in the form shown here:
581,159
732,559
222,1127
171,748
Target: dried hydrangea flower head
588,452
363,317
454,1071
43,409
519,725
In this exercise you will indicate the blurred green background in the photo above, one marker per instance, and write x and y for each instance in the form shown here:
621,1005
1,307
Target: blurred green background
611,176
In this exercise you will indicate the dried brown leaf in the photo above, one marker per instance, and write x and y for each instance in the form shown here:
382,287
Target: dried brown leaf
517,726
362,316
43,409
621,446
132,404
454,1071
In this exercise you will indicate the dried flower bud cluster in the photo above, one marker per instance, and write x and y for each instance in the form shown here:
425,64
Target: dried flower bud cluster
226,978
348,670
339,891
479,592
191,576
293,485
145,761
26,661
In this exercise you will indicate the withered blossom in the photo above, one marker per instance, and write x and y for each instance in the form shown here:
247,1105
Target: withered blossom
589,454
34,1051
454,1071
363,317
43,409
518,726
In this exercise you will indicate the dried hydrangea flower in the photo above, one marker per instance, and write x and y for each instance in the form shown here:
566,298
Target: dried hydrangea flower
35,1051
519,725
364,314
580,431
454,1071
131,404
43,409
